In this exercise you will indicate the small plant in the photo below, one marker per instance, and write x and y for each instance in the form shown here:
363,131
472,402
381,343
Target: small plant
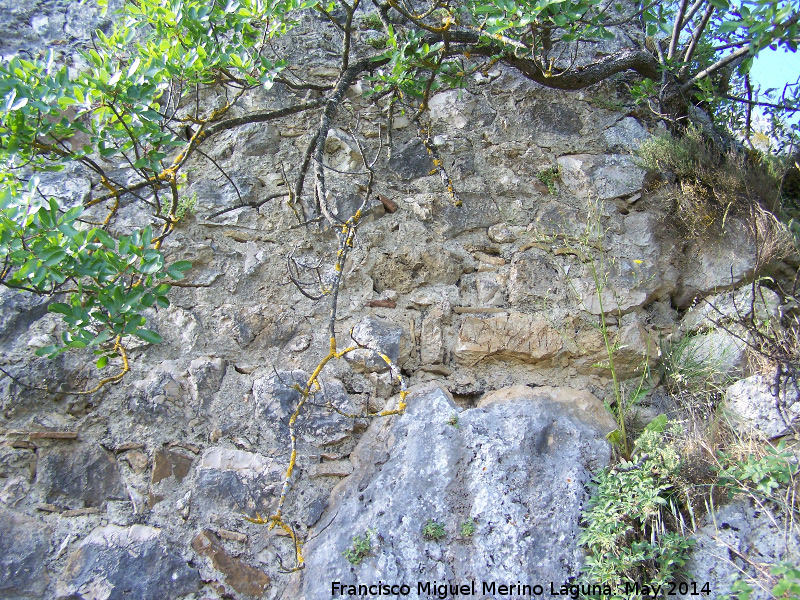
788,585
626,530
361,548
453,420
372,21
467,528
690,367
549,178
379,43
776,470
186,206
433,531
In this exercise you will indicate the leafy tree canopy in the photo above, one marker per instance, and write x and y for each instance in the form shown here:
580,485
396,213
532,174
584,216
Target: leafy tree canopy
136,102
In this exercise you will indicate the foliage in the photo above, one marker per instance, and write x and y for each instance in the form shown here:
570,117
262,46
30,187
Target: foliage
775,470
362,546
107,283
549,177
433,531
771,480
626,521
789,584
467,528
124,106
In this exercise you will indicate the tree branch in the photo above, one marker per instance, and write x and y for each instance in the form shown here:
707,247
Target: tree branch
260,117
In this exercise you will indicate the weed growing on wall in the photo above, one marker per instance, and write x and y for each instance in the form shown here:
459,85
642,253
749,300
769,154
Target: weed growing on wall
361,548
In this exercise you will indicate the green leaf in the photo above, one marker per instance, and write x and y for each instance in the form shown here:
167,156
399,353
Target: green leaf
46,351
102,362
148,300
60,307
104,239
148,336
658,424
181,265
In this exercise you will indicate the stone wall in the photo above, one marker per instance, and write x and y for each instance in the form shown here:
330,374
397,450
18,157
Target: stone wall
490,310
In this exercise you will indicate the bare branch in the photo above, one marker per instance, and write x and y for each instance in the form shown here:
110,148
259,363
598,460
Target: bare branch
676,29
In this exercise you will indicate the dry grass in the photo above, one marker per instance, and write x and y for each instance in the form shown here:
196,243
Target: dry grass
710,184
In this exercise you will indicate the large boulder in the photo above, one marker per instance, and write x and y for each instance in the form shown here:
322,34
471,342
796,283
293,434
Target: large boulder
515,468
735,542
754,402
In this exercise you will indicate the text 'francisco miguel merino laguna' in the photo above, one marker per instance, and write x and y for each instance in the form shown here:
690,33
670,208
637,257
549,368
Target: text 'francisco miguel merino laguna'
442,591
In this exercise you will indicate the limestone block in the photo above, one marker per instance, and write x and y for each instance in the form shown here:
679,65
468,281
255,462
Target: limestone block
579,404
717,265
732,305
515,336
535,278
431,338
603,177
276,399
205,376
136,561
236,480
410,267
78,477
331,468
503,233
23,545
240,576
382,336
625,135
491,288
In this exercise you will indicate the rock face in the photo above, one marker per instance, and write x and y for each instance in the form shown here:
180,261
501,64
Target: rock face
117,562
516,466
741,530
146,493
23,544
752,403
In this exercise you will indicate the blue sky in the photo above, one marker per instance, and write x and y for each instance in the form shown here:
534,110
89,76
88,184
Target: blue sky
776,68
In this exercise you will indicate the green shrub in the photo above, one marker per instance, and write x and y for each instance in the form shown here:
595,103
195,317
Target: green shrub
711,183
765,476
549,177
629,517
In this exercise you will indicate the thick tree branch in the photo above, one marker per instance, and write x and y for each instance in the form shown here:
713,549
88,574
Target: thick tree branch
639,61
722,62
